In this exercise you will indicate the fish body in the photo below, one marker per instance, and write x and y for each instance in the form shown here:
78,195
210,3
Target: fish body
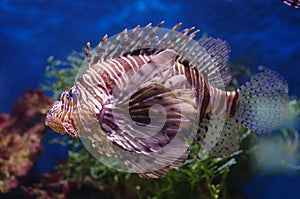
292,3
111,103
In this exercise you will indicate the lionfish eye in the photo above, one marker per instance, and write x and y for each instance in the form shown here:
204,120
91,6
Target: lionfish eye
70,95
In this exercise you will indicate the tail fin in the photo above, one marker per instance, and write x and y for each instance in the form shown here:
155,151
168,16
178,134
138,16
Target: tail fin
262,102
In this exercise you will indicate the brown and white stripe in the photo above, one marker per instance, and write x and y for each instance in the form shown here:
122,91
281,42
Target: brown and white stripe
114,71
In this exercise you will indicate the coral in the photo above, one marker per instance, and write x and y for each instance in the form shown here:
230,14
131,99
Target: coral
21,133
54,185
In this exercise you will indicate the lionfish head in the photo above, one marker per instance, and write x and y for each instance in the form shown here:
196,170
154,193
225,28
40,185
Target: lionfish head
59,117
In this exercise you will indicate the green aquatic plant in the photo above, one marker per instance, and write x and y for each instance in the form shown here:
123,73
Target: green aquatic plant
61,74
202,176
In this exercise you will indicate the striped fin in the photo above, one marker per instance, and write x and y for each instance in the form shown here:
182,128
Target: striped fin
219,74
159,172
156,136
161,109
209,55
99,146
218,135
124,42
156,68
293,3
141,38
154,165
262,102
154,85
147,165
156,113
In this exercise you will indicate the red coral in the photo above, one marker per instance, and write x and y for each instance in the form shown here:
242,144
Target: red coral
51,185
54,185
21,133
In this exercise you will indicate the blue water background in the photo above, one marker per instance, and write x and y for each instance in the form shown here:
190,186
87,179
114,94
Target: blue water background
266,32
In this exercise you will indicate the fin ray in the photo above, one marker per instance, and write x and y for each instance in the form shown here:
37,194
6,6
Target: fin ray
218,135
209,55
262,102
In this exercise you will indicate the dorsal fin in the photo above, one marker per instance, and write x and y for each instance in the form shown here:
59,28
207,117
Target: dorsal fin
88,52
139,38
219,51
209,56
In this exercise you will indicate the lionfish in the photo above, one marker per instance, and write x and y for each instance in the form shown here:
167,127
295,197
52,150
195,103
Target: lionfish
147,93
293,3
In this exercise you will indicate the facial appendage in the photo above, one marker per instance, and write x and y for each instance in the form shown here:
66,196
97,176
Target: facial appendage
59,117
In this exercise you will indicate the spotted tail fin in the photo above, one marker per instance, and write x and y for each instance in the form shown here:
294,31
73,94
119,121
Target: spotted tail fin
262,102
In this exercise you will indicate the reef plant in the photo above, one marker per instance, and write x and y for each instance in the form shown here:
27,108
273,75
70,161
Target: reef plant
21,133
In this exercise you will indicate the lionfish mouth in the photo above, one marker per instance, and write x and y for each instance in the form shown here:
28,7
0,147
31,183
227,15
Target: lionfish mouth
52,120
47,122
51,113
54,124
58,122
